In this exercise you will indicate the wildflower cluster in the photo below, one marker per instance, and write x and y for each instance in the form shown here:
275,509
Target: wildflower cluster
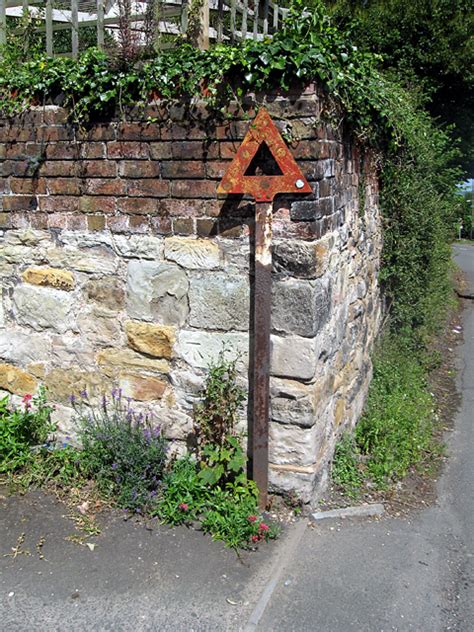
122,449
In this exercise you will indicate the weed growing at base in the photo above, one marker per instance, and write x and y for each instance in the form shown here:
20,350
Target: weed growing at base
395,432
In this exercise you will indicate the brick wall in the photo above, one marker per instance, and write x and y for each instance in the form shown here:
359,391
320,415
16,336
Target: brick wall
121,267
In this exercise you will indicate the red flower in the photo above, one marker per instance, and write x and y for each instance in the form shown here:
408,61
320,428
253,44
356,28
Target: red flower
183,506
263,527
252,518
255,538
27,400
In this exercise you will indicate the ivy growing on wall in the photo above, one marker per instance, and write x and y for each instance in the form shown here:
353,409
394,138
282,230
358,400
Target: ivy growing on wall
418,192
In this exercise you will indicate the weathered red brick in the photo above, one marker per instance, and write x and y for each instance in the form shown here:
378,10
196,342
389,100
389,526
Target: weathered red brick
59,204
161,151
62,151
190,208
57,220
138,206
161,225
97,204
100,186
20,220
148,188
63,186
97,133
142,131
21,168
92,150
98,169
95,222
20,151
59,168
228,150
206,227
128,150
39,220
184,226
20,202
118,223
195,150
76,222
138,224
186,132
217,168
193,188
27,185
139,169
183,169
5,220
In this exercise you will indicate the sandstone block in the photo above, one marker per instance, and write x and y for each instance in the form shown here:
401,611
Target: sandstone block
139,246
293,403
71,381
200,348
112,361
157,292
52,277
195,254
292,445
300,307
43,308
293,357
108,292
20,347
142,388
153,340
99,326
92,260
16,381
300,259
219,301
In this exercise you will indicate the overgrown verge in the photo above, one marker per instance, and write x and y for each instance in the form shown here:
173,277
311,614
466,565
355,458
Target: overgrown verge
123,459
396,431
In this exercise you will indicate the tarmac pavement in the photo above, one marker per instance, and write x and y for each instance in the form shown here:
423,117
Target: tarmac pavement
375,575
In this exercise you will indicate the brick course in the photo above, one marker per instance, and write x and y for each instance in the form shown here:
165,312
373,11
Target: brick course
165,168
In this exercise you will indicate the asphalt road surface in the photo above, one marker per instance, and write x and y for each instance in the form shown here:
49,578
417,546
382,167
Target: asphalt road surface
395,574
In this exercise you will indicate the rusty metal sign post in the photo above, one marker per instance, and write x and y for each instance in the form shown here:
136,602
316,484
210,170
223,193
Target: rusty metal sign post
263,188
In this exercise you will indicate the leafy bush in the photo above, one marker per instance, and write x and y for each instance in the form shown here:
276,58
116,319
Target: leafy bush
122,450
21,428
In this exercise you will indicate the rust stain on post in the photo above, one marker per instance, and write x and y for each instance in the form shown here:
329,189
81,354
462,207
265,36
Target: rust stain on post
262,320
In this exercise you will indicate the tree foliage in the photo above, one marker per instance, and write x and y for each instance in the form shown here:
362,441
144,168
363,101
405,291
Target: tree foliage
430,46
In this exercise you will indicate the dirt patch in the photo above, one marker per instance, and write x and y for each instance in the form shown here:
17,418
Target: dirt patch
418,489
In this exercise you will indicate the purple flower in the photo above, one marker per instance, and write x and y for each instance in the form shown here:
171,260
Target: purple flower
84,394
114,466
72,399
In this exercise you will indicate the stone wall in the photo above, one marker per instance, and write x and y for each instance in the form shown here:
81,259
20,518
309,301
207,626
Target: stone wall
121,267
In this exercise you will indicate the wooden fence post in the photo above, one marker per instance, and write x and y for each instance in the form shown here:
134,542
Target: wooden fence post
49,27
75,29
100,24
203,39
3,23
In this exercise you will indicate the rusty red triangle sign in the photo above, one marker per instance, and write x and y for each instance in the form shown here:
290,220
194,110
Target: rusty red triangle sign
263,188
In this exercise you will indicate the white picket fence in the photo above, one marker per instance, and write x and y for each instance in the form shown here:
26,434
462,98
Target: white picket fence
217,20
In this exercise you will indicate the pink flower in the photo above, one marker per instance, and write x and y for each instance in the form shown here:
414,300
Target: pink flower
252,518
27,400
263,527
183,506
255,538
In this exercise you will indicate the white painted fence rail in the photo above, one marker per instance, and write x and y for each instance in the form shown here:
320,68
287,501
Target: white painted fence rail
145,21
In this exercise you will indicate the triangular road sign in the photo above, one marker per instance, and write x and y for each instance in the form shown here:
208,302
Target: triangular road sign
263,187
